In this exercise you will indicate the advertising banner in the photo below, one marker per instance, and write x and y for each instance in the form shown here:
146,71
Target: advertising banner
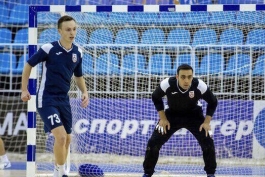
13,123
123,126
259,128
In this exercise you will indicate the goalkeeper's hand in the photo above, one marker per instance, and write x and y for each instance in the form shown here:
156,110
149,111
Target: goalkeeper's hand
162,126
207,128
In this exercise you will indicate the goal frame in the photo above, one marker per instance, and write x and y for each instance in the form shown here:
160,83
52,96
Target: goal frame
32,48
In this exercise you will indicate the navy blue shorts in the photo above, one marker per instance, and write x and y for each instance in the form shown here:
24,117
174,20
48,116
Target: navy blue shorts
55,116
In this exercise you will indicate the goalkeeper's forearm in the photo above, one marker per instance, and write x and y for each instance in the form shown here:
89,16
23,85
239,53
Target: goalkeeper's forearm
207,119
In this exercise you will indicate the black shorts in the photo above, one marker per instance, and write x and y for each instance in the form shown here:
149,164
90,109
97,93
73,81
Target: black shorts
188,118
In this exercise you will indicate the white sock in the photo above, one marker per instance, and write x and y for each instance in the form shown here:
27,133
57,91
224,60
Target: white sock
61,169
4,158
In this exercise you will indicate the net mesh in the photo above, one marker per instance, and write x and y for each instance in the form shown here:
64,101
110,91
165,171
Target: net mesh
126,55
125,58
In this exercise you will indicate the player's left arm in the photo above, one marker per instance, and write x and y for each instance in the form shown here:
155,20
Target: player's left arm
212,103
80,82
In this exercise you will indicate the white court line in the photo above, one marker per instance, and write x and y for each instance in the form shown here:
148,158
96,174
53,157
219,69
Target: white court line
139,175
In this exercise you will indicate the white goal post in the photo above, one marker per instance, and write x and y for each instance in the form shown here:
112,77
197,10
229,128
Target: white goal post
128,50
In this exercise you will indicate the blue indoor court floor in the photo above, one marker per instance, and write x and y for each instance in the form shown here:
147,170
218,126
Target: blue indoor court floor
18,169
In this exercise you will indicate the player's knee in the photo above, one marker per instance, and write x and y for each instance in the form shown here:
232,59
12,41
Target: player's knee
208,146
152,151
208,149
156,148
68,141
153,147
60,140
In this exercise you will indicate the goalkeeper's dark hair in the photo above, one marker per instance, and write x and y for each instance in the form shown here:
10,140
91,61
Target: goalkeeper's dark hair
64,18
184,67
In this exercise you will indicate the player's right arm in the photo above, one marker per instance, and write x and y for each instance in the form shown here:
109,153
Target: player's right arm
39,56
25,95
163,124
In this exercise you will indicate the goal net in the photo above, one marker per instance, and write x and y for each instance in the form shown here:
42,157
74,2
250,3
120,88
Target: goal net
127,51
127,54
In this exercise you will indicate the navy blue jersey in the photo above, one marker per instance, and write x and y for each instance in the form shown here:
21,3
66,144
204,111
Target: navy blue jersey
59,65
184,102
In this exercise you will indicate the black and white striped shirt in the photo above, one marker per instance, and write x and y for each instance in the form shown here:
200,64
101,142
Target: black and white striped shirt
186,101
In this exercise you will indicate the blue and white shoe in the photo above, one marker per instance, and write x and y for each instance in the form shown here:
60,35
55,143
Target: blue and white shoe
55,172
146,175
4,165
210,175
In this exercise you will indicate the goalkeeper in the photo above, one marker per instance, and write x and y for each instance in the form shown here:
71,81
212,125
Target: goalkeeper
183,110
60,59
